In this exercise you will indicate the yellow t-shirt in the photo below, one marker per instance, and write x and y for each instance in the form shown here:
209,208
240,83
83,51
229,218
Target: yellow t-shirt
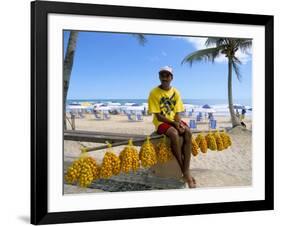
166,102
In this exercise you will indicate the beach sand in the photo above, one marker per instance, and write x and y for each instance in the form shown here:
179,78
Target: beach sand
231,167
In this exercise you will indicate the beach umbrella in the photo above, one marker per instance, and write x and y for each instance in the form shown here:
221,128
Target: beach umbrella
103,108
207,110
87,104
76,107
206,106
135,108
238,106
91,107
75,104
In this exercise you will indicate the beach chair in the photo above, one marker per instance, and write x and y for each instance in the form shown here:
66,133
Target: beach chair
213,124
96,115
198,118
192,124
89,111
139,117
80,114
72,114
205,115
211,117
106,115
130,117
75,114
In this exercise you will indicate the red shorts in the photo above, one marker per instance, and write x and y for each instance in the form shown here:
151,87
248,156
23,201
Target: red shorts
163,127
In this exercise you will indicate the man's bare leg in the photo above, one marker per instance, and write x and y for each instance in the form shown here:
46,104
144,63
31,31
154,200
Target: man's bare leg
186,150
173,134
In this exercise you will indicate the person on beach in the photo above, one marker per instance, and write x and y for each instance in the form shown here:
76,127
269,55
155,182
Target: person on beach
165,103
243,114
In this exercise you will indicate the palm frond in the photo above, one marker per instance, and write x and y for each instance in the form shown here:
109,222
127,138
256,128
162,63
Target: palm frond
211,42
208,54
141,38
217,46
244,45
215,42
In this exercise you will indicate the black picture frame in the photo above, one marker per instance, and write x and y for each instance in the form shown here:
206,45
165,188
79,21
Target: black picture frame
39,112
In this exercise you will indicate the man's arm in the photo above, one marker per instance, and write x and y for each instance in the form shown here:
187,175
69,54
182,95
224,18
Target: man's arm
162,118
177,117
181,126
179,107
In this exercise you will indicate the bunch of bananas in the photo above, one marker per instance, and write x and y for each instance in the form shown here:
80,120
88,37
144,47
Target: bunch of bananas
115,163
163,150
202,143
225,139
73,172
110,165
219,141
195,147
86,176
129,158
147,154
83,170
211,142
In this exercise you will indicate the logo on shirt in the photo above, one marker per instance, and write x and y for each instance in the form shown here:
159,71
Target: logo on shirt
167,104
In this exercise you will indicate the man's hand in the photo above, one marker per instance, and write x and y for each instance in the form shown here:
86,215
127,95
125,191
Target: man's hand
176,124
182,124
182,127
179,126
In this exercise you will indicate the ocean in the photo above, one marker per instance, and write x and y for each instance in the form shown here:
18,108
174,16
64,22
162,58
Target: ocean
199,102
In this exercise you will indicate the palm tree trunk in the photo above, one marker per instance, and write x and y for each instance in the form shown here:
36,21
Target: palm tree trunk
67,67
234,120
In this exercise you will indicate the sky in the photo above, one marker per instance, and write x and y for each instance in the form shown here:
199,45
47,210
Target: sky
117,66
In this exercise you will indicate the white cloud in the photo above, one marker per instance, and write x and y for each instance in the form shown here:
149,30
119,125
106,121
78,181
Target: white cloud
199,43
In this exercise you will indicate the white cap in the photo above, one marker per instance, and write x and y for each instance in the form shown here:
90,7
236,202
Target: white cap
166,68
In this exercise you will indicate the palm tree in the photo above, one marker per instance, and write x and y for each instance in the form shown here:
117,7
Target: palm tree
67,66
69,58
227,47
